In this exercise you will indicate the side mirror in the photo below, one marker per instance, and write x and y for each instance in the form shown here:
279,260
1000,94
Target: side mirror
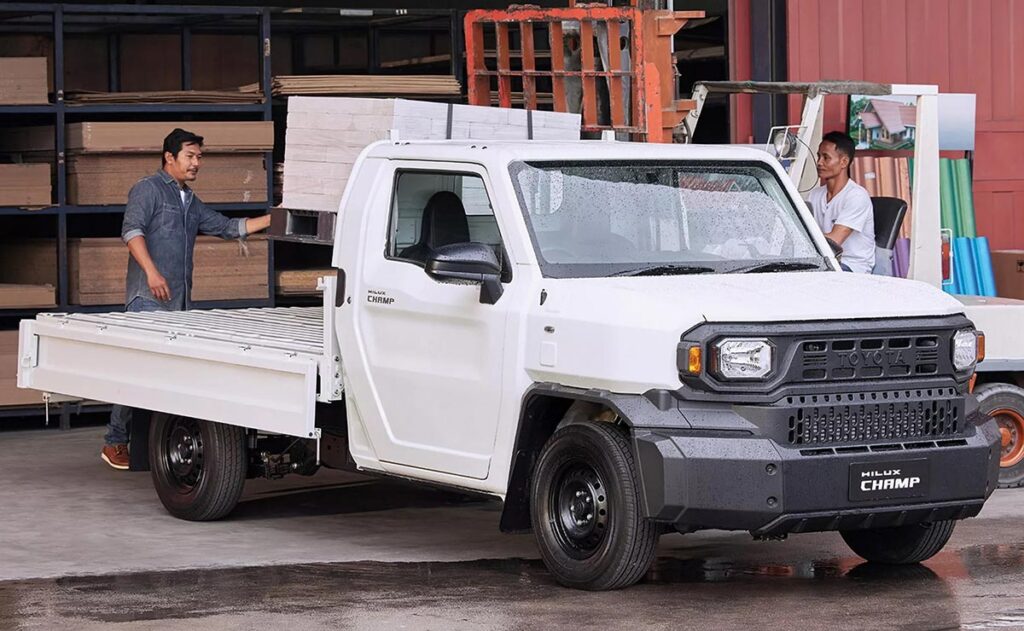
470,263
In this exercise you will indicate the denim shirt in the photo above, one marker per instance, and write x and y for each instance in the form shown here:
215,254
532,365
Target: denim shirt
156,211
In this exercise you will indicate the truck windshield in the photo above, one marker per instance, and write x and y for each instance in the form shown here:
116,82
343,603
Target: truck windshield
591,219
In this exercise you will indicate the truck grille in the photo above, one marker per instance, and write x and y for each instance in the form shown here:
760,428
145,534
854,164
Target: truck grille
870,416
871,357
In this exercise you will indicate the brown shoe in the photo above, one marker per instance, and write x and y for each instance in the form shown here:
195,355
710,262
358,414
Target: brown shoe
116,456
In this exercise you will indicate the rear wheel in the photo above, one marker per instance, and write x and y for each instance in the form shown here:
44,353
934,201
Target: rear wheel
198,467
902,545
1005,404
586,509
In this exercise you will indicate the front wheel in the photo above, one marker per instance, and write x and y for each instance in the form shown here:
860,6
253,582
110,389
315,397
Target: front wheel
586,509
198,467
902,545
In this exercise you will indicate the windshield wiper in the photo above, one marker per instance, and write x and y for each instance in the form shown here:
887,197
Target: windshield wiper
666,270
776,266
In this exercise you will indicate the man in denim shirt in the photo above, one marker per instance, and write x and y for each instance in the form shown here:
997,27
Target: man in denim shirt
161,221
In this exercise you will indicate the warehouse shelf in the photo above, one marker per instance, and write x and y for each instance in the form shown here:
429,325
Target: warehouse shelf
28,109
164,108
112,19
119,208
14,211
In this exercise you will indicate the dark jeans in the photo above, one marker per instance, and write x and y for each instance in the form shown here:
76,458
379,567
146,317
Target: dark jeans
120,415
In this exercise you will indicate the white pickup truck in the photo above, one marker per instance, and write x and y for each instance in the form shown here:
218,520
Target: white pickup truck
617,340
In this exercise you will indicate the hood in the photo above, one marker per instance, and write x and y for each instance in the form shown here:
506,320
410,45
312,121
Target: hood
773,297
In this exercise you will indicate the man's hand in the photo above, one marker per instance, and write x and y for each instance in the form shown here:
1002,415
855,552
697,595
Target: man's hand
158,285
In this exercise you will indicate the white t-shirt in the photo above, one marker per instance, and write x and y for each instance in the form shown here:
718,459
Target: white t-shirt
851,207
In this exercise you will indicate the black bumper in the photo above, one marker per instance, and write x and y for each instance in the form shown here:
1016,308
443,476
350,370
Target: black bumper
740,481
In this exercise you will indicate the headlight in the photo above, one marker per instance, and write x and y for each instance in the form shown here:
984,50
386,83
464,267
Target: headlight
965,349
743,358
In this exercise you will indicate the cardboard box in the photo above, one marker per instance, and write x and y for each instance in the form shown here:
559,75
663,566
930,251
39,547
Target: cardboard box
1008,266
134,137
23,81
107,178
25,185
224,270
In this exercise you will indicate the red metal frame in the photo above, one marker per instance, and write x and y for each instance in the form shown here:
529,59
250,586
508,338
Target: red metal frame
653,109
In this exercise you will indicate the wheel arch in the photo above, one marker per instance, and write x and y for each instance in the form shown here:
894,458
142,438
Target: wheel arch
544,409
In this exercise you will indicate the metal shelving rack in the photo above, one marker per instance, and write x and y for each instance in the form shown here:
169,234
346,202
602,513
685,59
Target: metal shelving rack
62,111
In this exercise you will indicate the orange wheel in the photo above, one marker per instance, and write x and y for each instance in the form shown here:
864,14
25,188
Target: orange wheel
1004,403
1011,426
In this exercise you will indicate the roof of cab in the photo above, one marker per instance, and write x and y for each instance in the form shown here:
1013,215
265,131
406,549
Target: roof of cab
502,151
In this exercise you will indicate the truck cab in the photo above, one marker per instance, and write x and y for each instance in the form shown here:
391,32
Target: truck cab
617,340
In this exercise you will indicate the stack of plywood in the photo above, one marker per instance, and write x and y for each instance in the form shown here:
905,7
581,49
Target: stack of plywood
107,178
325,135
165,96
106,159
300,282
23,81
28,273
25,185
224,270
368,85
9,393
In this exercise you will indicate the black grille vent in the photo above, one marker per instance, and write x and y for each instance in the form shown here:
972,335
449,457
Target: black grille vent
868,416
869,358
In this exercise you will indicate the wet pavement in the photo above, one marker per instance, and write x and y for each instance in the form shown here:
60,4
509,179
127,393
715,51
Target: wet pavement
973,588
407,557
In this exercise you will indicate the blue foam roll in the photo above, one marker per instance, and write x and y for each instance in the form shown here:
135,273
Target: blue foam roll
983,267
963,257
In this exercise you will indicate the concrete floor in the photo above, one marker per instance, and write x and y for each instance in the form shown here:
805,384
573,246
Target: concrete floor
85,547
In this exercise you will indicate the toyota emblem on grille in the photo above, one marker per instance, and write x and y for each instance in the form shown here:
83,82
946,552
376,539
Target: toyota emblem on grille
853,359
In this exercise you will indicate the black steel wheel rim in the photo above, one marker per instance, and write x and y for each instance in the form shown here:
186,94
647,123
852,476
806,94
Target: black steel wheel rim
579,512
183,454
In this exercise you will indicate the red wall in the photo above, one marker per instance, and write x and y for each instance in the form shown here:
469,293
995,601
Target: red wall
962,46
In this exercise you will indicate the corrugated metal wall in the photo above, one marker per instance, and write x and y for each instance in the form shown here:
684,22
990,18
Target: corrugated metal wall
960,45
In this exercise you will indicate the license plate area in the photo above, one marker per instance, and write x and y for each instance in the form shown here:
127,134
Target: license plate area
889,480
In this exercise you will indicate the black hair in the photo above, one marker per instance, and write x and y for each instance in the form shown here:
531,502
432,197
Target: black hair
844,144
174,141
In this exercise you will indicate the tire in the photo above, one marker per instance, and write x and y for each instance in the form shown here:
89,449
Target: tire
902,545
198,467
585,506
1005,403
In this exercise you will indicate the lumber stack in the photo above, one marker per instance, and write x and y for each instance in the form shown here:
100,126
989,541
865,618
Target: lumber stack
325,135
28,273
367,85
23,81
106,159
300,282
224,270
26,185
10,395
83,97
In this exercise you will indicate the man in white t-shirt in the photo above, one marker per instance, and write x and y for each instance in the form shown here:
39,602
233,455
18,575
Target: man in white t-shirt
842,207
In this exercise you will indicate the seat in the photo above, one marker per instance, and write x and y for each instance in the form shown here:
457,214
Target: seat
889,213
444,223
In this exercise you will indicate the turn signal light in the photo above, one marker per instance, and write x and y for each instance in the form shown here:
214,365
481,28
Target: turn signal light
981,346
693,363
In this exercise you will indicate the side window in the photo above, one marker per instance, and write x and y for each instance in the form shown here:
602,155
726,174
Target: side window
430,209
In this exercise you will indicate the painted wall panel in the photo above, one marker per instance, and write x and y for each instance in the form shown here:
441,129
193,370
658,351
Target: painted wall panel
960,45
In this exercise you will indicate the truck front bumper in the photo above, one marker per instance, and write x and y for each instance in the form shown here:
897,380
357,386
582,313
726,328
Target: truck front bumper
698,479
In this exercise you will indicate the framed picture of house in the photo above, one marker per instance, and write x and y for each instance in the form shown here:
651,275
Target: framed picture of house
883,122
